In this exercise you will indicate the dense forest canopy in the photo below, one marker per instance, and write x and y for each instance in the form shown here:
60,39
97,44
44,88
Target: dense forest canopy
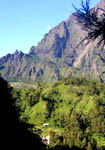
74,109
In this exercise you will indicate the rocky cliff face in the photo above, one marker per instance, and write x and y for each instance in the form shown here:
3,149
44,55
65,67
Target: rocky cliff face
56,55
53,44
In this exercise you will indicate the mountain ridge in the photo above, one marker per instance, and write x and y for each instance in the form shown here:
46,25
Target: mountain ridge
55,56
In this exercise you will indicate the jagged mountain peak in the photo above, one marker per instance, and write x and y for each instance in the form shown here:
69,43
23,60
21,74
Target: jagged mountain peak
53,43
100,4
56,55
17,52
12,58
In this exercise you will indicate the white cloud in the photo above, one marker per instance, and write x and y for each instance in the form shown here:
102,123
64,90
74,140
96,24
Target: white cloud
48,28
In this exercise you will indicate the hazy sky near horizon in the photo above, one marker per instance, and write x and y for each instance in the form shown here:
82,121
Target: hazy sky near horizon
23,23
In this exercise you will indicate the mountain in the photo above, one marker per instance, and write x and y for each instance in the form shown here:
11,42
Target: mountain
55,56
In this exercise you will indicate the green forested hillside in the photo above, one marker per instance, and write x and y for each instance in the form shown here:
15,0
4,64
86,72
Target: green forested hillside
13,132
74,109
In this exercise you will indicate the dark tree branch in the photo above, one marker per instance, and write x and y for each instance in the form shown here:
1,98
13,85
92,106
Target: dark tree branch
92,22
103,60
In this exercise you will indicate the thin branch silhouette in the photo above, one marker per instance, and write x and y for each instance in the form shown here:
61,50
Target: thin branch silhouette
93,22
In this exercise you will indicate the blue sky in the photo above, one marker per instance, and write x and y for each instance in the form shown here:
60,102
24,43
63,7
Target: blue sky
23,23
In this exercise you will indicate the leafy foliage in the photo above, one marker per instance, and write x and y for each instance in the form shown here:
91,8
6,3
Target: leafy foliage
74,109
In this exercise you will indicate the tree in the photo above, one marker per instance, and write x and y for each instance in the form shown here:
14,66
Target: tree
14,134
93,22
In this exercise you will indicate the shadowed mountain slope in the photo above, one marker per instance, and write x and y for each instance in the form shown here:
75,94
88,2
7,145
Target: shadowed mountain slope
13,133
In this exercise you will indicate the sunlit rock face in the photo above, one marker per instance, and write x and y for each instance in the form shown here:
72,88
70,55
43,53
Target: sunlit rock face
56,56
